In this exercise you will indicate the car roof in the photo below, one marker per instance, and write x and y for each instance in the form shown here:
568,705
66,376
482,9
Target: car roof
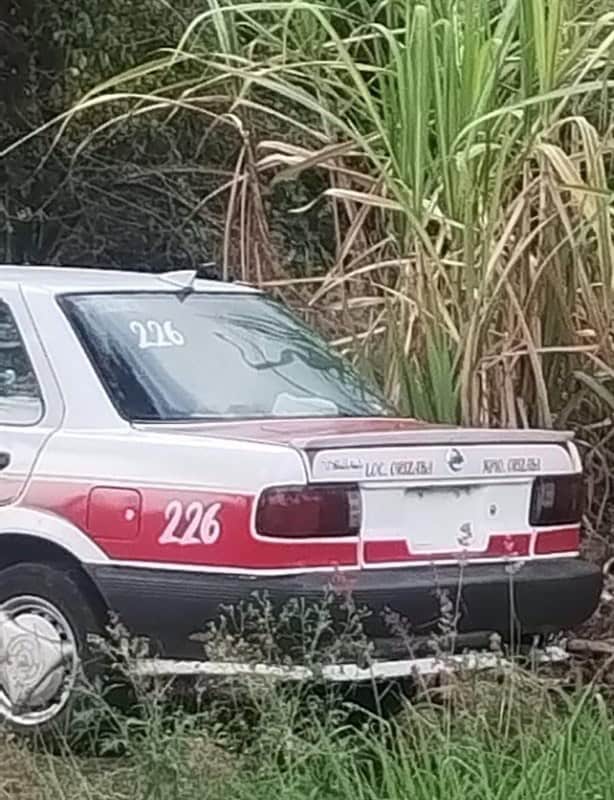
60,280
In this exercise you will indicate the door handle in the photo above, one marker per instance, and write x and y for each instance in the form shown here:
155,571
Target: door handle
5,460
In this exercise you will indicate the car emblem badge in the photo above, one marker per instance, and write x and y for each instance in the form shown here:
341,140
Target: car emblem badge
455,460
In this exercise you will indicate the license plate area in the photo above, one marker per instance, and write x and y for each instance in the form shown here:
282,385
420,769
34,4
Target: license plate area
449,519
405,524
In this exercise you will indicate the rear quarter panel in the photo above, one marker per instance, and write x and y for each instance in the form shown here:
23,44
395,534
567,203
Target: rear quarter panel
171,499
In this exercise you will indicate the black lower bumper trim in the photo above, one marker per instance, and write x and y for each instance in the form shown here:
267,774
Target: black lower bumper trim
535,597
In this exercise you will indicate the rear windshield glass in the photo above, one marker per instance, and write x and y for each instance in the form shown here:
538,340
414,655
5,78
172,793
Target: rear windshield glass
167,357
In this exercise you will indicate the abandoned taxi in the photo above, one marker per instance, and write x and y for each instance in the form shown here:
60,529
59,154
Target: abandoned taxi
169,444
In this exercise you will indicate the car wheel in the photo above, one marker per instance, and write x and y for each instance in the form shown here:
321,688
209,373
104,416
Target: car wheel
44,621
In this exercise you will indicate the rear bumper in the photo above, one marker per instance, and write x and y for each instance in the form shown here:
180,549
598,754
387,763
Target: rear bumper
519,600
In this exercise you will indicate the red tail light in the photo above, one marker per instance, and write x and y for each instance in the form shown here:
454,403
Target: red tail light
303,512
557,500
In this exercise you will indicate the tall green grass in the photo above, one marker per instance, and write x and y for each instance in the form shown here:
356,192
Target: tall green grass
484,741
471,150
468,151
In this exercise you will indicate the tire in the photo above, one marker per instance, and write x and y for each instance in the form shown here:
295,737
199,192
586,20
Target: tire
55,616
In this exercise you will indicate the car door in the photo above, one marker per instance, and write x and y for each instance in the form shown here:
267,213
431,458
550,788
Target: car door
30,403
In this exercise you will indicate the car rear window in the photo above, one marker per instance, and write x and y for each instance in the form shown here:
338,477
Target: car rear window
172,357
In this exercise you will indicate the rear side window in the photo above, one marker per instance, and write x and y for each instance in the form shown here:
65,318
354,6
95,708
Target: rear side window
20,396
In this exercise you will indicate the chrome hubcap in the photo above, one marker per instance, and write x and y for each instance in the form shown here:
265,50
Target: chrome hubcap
38,660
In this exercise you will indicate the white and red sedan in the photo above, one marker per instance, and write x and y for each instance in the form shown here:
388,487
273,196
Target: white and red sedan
169,444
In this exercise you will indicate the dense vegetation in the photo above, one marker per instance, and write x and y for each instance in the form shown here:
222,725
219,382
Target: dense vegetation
430,181
515,740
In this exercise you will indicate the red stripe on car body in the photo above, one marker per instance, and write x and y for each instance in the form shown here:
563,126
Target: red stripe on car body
128,525
234,547
563,540
499,546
